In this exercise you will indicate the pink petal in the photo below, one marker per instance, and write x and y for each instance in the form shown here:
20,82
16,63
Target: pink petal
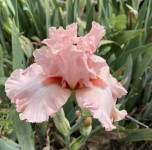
48,60
19,79
100,103
91,41
35,99
99,65
118,115
72,32
117,89
74,67
70,64
60,38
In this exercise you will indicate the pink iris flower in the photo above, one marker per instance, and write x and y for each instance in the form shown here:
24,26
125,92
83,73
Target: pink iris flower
65,64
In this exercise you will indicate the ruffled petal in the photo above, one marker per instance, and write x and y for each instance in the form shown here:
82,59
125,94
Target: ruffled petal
90,42
116,87
70,64
17,83
74,67
45,102
60,38
100,103
48,60
99,65
101,68
35,99
72,32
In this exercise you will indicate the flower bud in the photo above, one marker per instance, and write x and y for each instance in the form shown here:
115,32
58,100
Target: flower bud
77,143
4,12
132,16
5,19
85,113
86,126
61,123
7,26
26,46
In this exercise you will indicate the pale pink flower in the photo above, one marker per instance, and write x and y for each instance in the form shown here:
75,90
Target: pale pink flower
67,63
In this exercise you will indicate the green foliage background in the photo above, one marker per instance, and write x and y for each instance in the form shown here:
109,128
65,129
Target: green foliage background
127,47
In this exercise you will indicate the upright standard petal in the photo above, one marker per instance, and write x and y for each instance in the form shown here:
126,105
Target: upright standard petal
99,65
90,42
71,64
48,60
99,101
35,99
60,37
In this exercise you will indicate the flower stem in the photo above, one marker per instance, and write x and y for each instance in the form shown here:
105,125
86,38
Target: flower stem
77,125
138,122
97,129
67,142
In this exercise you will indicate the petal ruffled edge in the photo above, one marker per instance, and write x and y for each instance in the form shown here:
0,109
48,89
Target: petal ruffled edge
100,103
35,100
90,41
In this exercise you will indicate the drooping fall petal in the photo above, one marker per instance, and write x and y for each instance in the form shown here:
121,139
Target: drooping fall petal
117,89
99,101
35,99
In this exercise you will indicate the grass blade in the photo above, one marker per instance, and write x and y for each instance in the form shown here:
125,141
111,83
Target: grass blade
16,49
47,15
7,144
24,133
1,62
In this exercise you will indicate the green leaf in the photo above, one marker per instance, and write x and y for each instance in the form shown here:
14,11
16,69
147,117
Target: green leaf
36,20
125,36
69,11
81,7
142,65
90,17
16,13
141,15
128,72
1,62
24,133
134,96
7,144
121,21
148,111
77,143
56,18
26,46
148,20
16,49
135,52
118,22
47,15
10,5
75,10
105,42
2,80
2,40
139,135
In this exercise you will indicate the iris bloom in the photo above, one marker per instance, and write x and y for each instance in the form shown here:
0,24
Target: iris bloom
67,63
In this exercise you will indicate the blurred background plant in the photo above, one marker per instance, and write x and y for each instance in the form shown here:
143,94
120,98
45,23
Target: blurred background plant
127,47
